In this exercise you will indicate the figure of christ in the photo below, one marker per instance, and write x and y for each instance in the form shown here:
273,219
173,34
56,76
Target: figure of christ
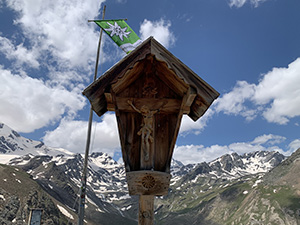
146,132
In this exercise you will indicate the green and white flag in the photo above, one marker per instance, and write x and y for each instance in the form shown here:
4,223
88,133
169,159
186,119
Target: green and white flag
121,33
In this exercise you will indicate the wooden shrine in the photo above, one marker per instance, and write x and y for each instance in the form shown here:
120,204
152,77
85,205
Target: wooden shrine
149,90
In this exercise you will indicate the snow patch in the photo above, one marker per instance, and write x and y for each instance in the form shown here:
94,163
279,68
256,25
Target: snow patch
124,197
126,208
99,210
2,197
5,158
256,183
64,211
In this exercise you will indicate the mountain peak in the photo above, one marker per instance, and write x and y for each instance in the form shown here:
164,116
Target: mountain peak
6,131
12,144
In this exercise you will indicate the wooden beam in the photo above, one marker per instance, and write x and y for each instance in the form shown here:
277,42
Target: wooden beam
121,134
146,210
191,95
147,182
165,105
109,101
169,77
130,76
186,98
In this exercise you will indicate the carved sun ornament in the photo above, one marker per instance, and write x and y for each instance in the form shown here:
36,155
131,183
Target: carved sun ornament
148,181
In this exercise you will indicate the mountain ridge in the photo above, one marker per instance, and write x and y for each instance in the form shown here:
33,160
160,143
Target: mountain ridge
215,192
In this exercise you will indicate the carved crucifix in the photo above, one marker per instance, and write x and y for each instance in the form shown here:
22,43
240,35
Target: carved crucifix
146,131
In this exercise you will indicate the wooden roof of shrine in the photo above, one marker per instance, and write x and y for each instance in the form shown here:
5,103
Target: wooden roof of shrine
167,64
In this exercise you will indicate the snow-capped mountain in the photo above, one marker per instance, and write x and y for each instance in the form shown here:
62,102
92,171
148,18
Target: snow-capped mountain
232,166
12,144
58,172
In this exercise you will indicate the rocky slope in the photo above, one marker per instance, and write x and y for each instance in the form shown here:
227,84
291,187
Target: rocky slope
19,193
258,198
233,189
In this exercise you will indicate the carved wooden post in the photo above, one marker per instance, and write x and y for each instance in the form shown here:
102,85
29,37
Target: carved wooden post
146,209
149,90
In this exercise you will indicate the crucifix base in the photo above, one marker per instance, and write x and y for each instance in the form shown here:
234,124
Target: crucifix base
147,182
146,209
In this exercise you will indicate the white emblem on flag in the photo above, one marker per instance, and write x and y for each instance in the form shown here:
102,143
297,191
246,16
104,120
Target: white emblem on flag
117,30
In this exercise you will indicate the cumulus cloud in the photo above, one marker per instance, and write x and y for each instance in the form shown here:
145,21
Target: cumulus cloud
240,3
19,53
268,139
28,104
293,146
199,153
281,88
54,39
59,28
71,135
160,30
276,97
189,126
233,102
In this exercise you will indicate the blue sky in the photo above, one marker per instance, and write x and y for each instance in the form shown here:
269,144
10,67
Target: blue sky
248,50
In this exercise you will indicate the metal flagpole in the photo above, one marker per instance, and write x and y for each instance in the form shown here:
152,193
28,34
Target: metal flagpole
88,140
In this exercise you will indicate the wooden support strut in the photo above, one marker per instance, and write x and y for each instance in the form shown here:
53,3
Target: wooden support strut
146,209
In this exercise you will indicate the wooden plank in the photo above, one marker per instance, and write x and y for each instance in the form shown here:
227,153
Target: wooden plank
146,210
109,101
164,105
177,126
184,72
132,140
198,108
171,71
171,79
191,95
147,182
162,143
122,127
130,76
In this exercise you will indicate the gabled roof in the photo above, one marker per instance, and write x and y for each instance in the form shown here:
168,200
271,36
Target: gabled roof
205,93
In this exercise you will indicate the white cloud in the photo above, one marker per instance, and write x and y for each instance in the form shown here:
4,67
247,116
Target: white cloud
294,145
59,28
56,39
160,30
19,53
190,126
233,102
237,3
281,88
268,139
199,153
28,104
72,135
240,3
276,97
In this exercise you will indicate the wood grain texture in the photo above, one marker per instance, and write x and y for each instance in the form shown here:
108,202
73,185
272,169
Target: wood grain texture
147,182
151,57
146,210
